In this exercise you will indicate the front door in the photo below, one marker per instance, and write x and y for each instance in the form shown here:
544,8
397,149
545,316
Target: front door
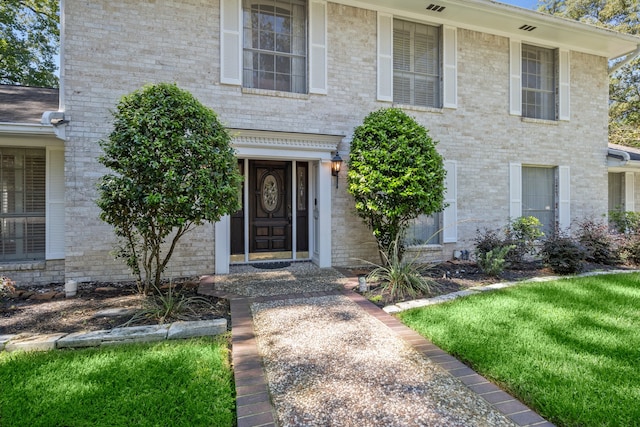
270,214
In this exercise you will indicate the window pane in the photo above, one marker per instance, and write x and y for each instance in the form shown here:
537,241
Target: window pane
416,64
538,196
22,204
274,38
616,191
424,230
538,82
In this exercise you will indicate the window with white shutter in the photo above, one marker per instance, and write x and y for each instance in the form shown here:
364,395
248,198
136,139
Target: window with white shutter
275,45
417,70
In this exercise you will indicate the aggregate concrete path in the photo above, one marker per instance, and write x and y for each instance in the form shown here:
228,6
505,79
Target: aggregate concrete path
258,354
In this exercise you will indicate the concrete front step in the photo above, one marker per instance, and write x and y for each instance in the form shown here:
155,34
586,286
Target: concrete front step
115,336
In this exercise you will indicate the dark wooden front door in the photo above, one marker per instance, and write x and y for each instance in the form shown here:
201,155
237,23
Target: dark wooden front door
270,213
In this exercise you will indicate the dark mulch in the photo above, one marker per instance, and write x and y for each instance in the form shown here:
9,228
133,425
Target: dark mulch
42,310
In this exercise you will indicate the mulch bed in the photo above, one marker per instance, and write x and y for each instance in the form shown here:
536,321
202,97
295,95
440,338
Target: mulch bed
41,310
96,306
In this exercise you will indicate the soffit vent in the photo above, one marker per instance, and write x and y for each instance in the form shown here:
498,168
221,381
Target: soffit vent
435,8
526,27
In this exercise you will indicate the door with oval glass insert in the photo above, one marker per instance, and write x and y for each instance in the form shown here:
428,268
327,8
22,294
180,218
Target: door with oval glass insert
270,213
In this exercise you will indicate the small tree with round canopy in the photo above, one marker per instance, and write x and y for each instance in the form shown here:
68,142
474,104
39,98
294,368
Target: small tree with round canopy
395,174
173,169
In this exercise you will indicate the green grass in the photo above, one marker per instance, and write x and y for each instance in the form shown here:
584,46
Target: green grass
171,383
570,348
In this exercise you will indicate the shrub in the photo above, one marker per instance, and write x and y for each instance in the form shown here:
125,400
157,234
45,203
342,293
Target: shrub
399,276
630,249
493,262
173,168
487,240
562,254
395,174
522,233
625,222
598,242
6,286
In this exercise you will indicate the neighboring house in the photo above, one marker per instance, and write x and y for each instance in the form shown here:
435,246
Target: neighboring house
31,186
518,101
624,172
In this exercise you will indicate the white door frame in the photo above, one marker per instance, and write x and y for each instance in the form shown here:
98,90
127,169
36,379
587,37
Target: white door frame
270,145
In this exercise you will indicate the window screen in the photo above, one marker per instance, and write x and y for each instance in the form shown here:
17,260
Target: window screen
22,204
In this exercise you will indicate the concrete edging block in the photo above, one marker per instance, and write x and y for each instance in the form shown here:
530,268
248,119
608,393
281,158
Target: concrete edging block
82,339
198,328
34,343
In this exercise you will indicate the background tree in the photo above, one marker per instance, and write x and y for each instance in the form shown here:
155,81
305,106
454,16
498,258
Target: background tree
624,85
29,42
174,169
395,174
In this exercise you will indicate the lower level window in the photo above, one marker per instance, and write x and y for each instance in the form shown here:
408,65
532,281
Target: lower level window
539,196
424,230
22,204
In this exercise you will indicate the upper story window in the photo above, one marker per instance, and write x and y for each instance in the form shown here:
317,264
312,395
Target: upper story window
275,45
416,64
538,82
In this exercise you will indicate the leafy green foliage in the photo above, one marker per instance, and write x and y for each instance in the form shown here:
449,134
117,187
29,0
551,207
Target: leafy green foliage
563,254
399,276
494,261
173,169
6,286
624,85
630,249
625,222
395,173
29,40
597,240
522,233
164,307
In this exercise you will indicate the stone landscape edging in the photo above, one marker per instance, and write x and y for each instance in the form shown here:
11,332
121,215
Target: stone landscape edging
149,333
407,305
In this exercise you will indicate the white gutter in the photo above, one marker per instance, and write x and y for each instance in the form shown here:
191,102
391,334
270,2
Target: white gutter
619,154
628,58
27,129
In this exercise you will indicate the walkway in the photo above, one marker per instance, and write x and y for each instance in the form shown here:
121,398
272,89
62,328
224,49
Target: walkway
307,351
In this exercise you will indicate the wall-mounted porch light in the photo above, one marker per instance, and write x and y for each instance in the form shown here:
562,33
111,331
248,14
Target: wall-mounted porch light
336,163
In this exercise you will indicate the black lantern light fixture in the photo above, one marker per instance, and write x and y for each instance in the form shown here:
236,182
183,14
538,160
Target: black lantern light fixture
336,163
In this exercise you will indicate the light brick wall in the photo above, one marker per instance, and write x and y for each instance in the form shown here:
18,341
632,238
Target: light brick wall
114,47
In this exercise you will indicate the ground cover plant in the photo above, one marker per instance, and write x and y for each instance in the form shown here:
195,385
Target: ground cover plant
176,383
568,348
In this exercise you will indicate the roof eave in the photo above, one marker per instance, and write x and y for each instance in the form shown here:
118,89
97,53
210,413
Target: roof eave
502,19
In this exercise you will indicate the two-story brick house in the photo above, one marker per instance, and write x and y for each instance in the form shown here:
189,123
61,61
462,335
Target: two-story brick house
517,100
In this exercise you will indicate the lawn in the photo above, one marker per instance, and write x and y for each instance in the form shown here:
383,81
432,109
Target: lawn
569,348
171,383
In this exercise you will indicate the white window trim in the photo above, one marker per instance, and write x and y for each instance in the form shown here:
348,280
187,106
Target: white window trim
563,197
515,81
449,64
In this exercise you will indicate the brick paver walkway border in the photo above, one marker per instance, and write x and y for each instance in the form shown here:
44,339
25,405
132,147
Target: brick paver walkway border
253,405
